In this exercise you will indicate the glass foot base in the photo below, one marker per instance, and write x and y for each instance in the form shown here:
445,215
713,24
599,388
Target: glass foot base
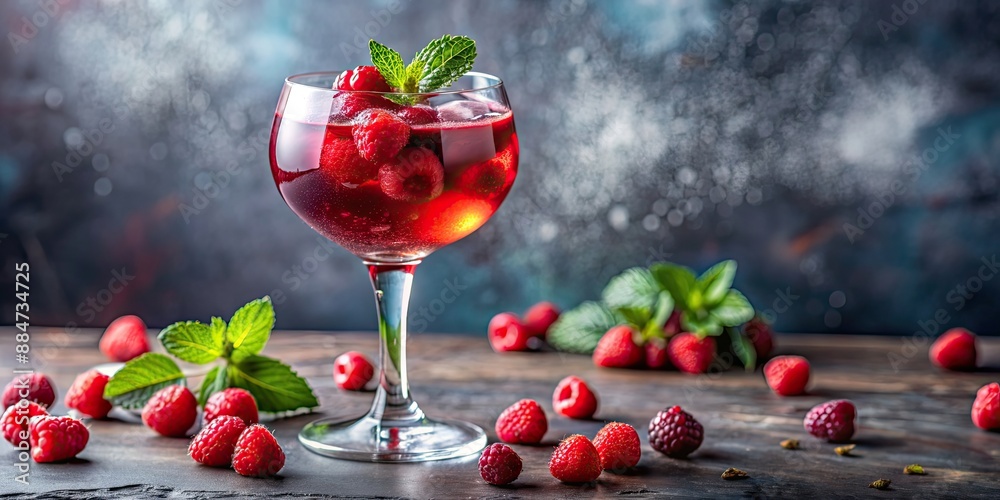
368,440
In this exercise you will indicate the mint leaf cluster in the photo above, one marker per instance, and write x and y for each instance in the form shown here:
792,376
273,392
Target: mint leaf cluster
435,66
645,298
236,346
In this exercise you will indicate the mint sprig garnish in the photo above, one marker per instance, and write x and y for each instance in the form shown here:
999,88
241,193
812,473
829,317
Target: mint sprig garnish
645,299
237,345
435,66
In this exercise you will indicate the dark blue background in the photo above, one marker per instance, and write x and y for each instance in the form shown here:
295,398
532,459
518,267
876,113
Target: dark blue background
689,131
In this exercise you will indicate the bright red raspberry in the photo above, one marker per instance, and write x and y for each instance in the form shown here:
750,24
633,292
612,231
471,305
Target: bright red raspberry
787,375
35,387
418,114
215,443
352,371
257,453
523,422
617,348
379,134
415,175
15,419
340,160
54,439
124,339
675,432
347,106
171,411
234,402
365,78
761,335
86,395
540,317
507,333
575,460
955,350
573,398
833,421
691,354
499,464
618,446
986,408
657,357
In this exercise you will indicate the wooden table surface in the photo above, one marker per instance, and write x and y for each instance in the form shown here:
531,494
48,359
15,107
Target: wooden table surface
915,415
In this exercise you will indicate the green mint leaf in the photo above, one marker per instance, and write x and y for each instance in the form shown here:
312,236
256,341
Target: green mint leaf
414,72
734,309
716,281
193,341
633,289
637,317
578,330
250,328
217,329
388,63
140,378
661,313
706,326
215,381
445,60
405,100
743,348
679,281
273,384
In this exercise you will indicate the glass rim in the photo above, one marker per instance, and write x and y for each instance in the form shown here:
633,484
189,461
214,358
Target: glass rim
291,81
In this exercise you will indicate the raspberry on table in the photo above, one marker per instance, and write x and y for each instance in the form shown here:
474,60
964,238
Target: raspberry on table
54,439
833,420
575,460
540,316
124,339
986,407
954,350
215,443
232,401
675,432
415,175
618,446
257,453
15,419
522,422
617,348
352,371
656,355
506,333
573,398
499,464
787,375
379,134
86,395
761,336
171,411
691,354
35,387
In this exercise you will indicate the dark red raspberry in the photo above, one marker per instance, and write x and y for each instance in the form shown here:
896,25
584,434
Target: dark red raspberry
573,398
833,421
523,422
575,460
691,354
506,333
379,134
416,175
986,407
617,348
214,444
340,160
540,317
171,411
347,106
234,402
418,114
657,356
362,78
499,464
35,387
787,375
124,339
618,446
14,422
675,433
955,350
86,395
54,439
352,371
760,334
673,325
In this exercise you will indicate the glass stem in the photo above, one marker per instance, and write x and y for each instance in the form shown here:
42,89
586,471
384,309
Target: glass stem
393,406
